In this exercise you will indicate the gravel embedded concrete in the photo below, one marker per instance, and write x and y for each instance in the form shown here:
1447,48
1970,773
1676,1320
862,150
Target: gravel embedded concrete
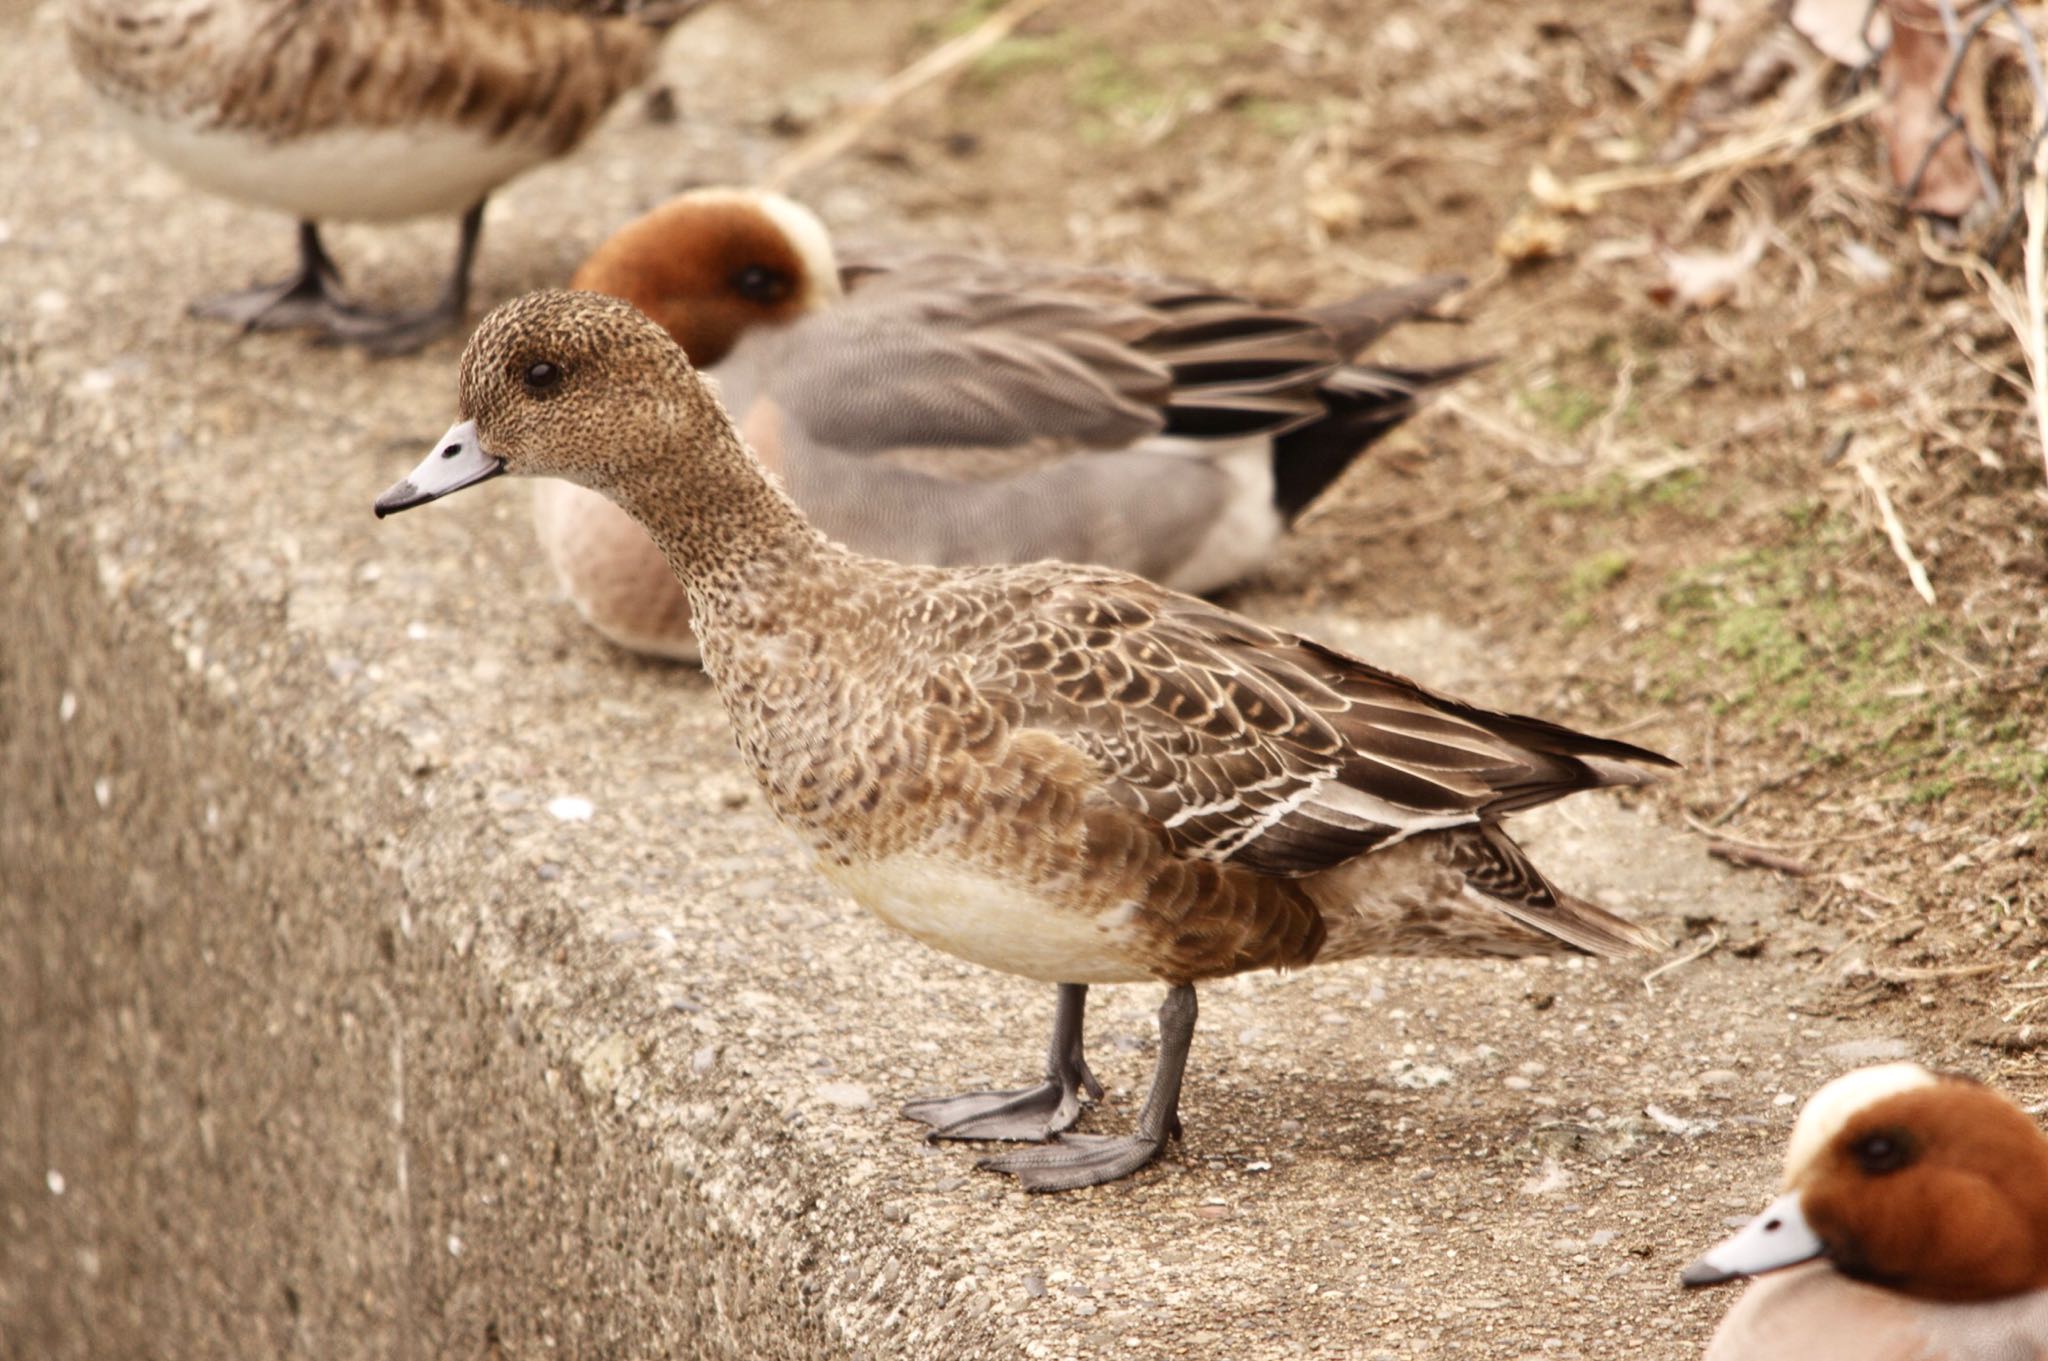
395,970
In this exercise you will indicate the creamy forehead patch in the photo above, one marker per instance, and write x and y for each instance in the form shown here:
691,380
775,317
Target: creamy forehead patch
1834,1105
808,237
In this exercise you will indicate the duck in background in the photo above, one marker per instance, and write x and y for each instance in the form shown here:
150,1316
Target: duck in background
327,109
937,407
1913,1227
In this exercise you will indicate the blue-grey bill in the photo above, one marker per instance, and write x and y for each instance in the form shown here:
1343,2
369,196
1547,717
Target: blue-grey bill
458,461
1779,1237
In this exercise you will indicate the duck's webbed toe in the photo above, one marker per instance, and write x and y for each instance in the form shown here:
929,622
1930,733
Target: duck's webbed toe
388,333
1027,1114
1078,1160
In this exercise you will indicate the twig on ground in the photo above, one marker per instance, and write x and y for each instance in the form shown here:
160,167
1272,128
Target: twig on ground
1931,974
1894,531
1617,405
1713,942
1756,857
1578,195
936,65
1720,819
2036,337
1499,492
1542,450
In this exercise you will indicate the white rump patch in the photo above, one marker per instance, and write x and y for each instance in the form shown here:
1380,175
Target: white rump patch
1250,525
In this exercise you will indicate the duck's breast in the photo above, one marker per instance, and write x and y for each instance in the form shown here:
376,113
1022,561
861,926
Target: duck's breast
1814,1313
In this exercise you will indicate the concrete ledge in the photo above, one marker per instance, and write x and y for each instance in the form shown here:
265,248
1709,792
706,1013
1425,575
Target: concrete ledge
327,1033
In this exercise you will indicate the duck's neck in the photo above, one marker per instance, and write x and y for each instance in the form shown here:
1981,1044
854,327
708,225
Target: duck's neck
730,534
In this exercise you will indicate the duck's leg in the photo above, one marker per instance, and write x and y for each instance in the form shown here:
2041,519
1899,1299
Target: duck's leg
1077,1160
393,333
307,298
1031,1114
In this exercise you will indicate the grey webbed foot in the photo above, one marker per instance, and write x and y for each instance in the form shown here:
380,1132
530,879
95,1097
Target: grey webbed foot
310,301
1078,1160
385,334
1027,1114
308,298
394,333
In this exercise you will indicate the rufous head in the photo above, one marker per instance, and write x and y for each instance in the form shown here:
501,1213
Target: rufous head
715,263
1929,1184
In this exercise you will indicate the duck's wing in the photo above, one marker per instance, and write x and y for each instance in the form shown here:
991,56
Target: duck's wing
1258,747
940,355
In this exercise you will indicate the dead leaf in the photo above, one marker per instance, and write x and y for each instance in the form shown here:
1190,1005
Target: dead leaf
1836,28
1910,76
1532,235
1559,196
1706,279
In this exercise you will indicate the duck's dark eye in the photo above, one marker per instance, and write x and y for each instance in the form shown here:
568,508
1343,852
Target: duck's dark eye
1884,1151
542,377
759,283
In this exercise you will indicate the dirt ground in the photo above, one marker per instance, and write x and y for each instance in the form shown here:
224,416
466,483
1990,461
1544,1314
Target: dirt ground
1644,519
1652,510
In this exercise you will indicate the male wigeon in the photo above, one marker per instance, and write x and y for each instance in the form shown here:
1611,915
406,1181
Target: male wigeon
931,406
1914,1224
368,112
1063,772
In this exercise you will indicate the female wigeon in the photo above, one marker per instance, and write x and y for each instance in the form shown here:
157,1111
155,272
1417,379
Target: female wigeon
1062,772
935,407
370,112
1915,1221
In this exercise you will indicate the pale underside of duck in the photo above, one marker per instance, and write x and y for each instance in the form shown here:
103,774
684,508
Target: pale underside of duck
1814,1313
375,111
1063,772
955,411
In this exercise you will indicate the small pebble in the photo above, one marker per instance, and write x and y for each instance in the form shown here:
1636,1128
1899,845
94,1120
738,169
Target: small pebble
572,808
847,1096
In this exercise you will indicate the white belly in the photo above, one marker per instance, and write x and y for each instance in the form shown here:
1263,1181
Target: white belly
991,922
356,174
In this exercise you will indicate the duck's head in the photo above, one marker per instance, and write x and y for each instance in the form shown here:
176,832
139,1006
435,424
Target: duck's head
715,263
571,385
1929,1184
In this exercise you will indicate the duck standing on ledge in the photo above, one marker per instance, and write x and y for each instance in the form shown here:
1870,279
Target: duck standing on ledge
375,111
1057,771
1913,1227
931,406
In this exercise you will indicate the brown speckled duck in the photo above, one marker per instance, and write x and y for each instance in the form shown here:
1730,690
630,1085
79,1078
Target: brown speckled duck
1063,772
366,110
931,406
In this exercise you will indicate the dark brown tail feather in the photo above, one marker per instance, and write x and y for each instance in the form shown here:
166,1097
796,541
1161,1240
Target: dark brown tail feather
1361,403
1496,867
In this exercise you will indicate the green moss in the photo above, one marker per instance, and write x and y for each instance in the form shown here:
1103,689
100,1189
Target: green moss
1022,53
1282,118
1595,574
1769,639
1566,407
